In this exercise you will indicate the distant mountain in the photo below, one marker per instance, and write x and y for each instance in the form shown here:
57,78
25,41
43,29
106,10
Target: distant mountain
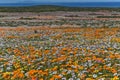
28,1
21,3
34,1
18,4
25,3
68,4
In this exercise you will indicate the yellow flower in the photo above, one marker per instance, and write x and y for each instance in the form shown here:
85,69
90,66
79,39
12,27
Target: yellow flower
89,79
41,79
81,67
96,71
115,78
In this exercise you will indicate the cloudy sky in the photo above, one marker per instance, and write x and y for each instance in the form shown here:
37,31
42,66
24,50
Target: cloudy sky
14,1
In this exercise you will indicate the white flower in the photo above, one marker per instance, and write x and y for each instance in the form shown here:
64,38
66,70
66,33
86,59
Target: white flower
69,72
55,72
109,64
100,73
26,74
63,78
78,79
94,75
101,79
8,68
115,74
61,75
74,66
70,79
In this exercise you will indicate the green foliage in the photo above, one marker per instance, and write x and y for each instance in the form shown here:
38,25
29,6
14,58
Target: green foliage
49,8
108,16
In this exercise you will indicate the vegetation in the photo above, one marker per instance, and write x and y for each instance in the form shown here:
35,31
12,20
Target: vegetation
59,53
44,8
108,16
64,46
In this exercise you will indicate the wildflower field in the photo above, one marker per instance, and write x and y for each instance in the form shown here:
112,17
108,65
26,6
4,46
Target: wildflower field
59,53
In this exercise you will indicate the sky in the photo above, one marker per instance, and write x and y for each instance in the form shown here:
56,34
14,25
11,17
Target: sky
16,1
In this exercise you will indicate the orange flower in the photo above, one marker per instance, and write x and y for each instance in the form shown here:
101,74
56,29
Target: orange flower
32,73
1,59
112,56
46,51
61,58
55,68
6,75
113,70
41,79
64,49
33,78
115,78
57,76
52,78
17,74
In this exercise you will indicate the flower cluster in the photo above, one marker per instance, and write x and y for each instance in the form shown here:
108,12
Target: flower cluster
61,53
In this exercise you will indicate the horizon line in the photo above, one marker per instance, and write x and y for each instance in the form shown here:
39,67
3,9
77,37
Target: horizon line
60,2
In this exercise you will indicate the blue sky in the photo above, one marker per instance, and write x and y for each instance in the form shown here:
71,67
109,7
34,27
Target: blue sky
14,1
